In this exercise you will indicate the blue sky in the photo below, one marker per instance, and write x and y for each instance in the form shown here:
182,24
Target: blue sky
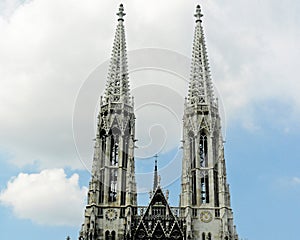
50,49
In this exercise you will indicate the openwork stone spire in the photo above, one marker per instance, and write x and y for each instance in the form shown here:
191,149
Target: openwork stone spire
205,196
200,87
117,88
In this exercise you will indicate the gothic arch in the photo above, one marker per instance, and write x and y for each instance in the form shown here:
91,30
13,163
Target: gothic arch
203,148
107,235
113,235
192,152
114,135
209,236
192,156
103,142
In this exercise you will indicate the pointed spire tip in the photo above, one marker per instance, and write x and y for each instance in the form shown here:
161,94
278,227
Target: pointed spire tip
155,180
121,12
198,15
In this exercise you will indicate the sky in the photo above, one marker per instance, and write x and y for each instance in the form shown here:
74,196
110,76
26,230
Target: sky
52,54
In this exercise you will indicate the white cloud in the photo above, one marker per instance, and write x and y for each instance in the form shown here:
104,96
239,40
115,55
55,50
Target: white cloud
289,182
48,197
296,180
48,48
254,57
7,7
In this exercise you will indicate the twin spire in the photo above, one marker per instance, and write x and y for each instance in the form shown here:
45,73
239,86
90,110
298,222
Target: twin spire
117,87
200,87
200,91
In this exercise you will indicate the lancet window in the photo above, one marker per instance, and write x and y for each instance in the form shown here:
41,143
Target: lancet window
107,235
192,150
194,188
123,190
114,147
101,192
113,235
103,147
209,236
204,187
216,186
113,179
203,150
125,152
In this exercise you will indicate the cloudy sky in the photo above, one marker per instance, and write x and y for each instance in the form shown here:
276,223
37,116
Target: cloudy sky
53,51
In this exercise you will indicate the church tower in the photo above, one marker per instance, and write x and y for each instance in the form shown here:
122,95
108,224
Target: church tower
205,197
204,211
112,194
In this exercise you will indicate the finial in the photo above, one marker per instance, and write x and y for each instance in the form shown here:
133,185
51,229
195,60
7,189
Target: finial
156,156
198,15
121,13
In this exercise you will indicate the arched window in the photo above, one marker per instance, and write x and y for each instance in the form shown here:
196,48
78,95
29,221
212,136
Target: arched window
203,236
125,152
193,167
113,235
192,150
107,235
103,147
216,186
114,153
113,179
203,150
204,186
226,238
194,188
101,192
114,136
123,187
209,236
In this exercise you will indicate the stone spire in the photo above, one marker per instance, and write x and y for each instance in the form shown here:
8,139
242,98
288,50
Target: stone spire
112,193
200,86
205,196
117,88
155,179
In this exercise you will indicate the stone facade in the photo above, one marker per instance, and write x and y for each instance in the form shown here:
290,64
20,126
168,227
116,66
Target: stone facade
204,211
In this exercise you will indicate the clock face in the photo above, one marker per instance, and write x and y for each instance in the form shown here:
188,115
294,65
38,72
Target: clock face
111,214
205,216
